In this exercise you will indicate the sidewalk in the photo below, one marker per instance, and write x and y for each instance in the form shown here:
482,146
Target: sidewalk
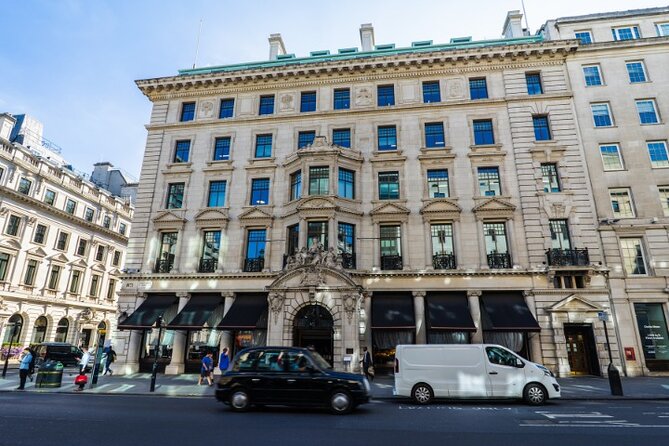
582,388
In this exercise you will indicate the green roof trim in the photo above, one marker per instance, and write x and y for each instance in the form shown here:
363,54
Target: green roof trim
360,55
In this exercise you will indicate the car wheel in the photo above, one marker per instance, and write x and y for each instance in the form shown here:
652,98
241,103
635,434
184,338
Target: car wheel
422,394
239,400
534,394
341,402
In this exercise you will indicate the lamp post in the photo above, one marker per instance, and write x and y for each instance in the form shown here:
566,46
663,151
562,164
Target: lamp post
15,330
154,369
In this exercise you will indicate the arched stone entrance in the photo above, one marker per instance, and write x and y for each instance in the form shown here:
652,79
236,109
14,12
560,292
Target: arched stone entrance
313,327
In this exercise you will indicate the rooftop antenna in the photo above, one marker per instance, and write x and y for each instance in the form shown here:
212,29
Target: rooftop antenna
527,25
197,45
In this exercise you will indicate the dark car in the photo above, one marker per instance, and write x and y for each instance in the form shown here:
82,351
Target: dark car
63,352
289,376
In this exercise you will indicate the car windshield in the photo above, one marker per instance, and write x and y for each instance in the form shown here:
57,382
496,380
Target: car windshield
319,361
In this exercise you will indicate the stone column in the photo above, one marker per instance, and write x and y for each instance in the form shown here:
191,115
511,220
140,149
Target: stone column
275,318
483,255
226,335
533,338
419,310
176,365
134,341
332,234
475,309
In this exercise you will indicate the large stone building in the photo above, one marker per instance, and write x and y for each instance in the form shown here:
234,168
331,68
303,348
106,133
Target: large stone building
369,197
62,244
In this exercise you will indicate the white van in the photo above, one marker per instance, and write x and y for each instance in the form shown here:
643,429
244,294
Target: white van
424,372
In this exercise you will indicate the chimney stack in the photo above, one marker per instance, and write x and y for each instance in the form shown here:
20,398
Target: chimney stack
276,46
7,122
513,26
367,37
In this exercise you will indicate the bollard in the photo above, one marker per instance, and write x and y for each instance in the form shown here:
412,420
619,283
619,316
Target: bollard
614,381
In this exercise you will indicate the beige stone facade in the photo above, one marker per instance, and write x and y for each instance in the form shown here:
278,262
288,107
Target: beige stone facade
626,156
517,227
62,247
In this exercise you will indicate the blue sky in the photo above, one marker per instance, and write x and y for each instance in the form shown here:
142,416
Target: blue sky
72,63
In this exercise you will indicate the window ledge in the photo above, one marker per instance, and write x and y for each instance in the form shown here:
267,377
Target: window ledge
218,166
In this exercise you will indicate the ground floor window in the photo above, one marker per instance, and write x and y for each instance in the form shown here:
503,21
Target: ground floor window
384,342
61,330
654,337
249,338
516,341
448,337
151,344
200,343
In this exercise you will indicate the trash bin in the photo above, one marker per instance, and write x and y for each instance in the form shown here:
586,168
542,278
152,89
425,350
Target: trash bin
49,375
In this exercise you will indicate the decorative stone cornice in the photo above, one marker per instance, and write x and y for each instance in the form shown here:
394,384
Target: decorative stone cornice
212,217
256,216
495,207
441,209
169,220
390,212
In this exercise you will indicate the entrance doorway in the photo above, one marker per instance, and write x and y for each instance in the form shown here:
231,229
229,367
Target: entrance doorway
313,327
85,339
581,349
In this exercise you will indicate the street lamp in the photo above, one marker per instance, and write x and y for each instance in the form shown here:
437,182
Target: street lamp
154,369
15,330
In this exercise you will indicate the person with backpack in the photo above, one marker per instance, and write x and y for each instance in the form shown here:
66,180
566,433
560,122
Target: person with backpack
24,367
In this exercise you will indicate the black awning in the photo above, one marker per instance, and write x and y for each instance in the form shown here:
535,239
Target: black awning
392,310
248,312
448,311
197,311
506,311
146,315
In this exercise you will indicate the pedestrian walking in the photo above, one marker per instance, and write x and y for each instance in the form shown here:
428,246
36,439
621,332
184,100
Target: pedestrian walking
109,359
367,367
224,360
83,360
24,368
206,368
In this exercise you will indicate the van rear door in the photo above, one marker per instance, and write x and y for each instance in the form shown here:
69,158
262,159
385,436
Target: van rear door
505,377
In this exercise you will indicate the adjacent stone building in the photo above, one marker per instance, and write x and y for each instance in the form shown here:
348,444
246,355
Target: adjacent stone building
436,193
621,92
62,244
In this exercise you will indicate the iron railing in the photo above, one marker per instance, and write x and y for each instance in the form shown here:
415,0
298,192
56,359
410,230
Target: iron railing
391,262
498,260
348,260
568,257
444,261
163,266
254,265
208,265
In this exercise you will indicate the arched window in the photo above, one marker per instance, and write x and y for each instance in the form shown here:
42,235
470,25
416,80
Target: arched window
15,321
39,334
62,329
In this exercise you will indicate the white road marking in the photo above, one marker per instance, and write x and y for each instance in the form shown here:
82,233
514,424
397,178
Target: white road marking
123,388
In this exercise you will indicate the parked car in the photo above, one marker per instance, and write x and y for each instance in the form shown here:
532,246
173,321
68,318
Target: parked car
66,353
289,376
481,371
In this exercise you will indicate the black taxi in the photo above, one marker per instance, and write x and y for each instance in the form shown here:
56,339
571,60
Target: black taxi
289,376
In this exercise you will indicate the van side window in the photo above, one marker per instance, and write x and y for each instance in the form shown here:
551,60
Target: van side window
499,356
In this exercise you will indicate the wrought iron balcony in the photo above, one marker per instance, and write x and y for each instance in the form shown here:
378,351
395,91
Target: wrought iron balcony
254,265
391,262
208,265
164,266
498,260
444,261
348,260
568,257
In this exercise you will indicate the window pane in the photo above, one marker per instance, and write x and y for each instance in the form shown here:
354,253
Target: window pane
227,108
319,180
601,115
222,149
621,203
263,146
386,95
305,139
664,200
255,246
188,111
182,151
560,234
387,138
636,72
584,37
533,83
431,92
437,183
296,185
266,105
489,183
342,99
478,88
611,158
346,186
658,153
483,132
342,137
216,194
633,258
592,76
646,111
211,245
389,186
541,130
260,191
549,177
442,239
317,233
434,135
495,238
391,244
175,196
308,101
